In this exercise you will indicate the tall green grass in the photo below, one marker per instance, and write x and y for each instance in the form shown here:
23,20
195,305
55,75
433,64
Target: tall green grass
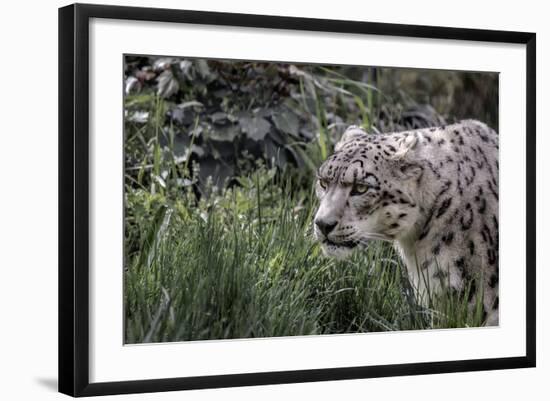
243,264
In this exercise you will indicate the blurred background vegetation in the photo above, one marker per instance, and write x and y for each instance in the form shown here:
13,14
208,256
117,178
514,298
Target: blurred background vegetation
220,158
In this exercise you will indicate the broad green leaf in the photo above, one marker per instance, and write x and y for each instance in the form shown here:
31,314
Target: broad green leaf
255,128
288,122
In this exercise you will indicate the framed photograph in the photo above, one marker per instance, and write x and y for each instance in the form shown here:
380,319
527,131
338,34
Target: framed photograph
251,199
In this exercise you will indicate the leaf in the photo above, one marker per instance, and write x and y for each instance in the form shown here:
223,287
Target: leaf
167,84
160,180
139,117
288,122
255,128
181,148
204,70
225,134
132,84
186,69
185,113
184,157
218,117
191,103
162,63
221,93
184,182
198,150
306,133
177,115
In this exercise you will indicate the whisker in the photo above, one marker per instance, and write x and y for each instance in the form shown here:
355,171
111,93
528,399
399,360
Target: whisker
347,233
365,237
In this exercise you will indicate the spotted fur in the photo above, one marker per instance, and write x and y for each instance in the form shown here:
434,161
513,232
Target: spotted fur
432,192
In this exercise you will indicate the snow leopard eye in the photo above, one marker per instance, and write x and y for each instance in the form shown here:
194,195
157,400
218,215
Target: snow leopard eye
323,184
359,189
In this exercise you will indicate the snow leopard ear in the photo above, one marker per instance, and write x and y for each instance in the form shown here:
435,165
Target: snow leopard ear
405,145
410,171
407,167
352,132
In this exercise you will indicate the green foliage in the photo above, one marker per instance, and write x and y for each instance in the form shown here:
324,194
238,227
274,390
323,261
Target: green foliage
242,263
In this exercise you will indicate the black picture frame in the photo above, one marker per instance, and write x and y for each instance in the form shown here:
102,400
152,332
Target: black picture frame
74,198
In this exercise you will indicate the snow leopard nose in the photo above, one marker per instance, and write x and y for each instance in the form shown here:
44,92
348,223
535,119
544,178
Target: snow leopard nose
325,226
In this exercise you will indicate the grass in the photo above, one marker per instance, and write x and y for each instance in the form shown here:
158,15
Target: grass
243,264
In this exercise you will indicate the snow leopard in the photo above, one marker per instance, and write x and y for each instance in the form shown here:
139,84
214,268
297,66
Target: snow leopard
432,192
